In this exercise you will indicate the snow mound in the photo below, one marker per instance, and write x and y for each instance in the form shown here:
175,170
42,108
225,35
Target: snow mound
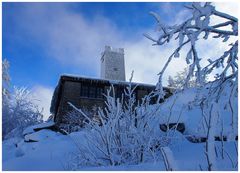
40,135
32,129
185,107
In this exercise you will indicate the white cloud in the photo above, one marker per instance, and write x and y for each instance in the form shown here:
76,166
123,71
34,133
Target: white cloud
68,36
231,8
147,60
43,97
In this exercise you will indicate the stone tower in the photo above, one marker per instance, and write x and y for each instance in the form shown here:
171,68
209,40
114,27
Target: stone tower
112,64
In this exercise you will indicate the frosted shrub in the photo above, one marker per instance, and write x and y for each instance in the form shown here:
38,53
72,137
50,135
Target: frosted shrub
22,112
124,134
178,81
72,121
224,68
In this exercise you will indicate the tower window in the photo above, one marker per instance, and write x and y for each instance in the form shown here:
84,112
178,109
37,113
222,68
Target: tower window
115,69
102,59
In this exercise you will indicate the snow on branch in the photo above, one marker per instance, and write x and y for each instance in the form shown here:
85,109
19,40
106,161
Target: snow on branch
189,32
224,67
80,111
168,159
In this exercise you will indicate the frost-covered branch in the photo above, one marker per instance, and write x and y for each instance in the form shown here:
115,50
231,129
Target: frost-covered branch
210,143
190,30
225,68
168,159
80,111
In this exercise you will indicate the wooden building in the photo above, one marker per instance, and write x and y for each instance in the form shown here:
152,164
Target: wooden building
87,94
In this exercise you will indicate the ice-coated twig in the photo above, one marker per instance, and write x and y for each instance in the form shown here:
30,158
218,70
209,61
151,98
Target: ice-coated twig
170,163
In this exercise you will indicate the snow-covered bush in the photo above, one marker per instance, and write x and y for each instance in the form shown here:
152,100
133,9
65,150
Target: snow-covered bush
5,81
123,135
18,107
178,81
72,121
22,113
5,90
224,68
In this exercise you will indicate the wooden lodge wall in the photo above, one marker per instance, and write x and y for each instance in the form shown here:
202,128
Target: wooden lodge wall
87,94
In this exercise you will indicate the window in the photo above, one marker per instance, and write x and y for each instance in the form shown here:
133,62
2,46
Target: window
99,92
92,92
84,91
115,69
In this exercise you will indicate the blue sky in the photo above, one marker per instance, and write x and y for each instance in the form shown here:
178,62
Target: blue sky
44,40
26,29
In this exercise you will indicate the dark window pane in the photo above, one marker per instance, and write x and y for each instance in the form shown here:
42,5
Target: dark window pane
84,91
92,92
99,92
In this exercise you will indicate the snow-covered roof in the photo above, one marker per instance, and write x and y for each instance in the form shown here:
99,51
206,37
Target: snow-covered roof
117,82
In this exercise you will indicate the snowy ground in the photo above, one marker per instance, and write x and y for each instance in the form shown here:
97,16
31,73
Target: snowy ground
54,150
